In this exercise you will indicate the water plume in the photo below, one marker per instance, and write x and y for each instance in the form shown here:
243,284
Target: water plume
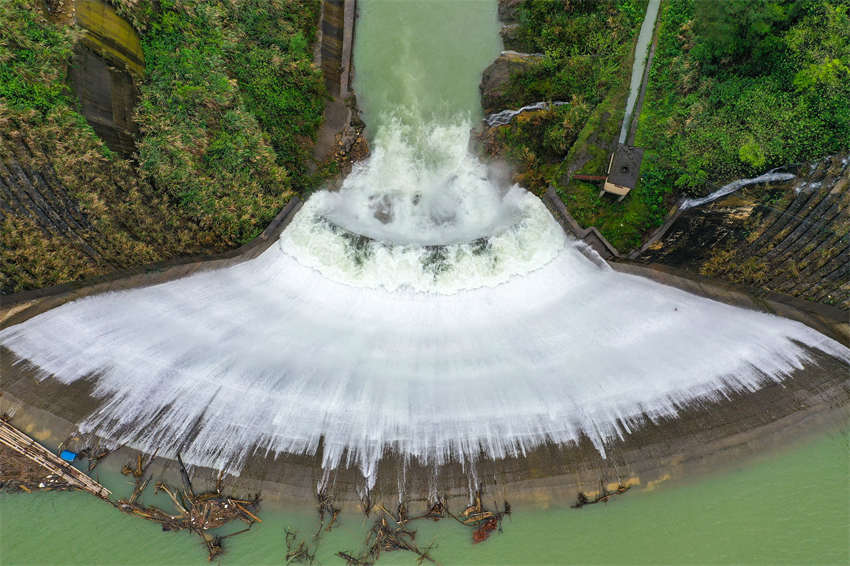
422,309
730,188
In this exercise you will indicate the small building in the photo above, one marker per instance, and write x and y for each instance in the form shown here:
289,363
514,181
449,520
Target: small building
623,170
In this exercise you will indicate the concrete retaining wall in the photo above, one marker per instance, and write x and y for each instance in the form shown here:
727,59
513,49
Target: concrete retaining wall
108,60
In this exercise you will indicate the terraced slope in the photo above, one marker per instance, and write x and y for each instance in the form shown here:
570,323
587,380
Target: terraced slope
792,237
68,211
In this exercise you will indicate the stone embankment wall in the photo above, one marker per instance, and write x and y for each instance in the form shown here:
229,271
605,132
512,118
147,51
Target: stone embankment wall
514,60
341,138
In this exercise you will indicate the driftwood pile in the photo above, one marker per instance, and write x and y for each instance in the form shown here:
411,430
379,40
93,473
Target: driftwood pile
601,497
298,551
85,447
55,470
21,474
391,531
196,513
201,513
328,513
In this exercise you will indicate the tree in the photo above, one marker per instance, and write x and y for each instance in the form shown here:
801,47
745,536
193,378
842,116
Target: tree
742,33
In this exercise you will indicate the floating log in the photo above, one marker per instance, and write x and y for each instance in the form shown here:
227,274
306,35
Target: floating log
298,551
29,448
197,513
602,497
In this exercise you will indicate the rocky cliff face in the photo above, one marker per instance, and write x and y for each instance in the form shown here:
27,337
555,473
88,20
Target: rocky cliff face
513,61
509,16
496,78
791,237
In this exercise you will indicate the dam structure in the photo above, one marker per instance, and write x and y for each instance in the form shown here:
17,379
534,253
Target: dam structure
429,308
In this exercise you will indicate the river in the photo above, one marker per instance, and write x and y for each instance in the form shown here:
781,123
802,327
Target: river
784,508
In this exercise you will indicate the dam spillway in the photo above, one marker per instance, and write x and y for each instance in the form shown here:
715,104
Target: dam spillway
355,331
428,308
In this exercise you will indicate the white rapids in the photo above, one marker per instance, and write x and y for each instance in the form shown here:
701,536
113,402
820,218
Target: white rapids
422,309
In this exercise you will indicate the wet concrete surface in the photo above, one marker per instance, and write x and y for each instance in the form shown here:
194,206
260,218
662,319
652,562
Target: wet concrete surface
707,436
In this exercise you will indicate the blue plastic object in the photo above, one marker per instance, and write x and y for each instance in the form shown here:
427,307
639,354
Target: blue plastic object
68,455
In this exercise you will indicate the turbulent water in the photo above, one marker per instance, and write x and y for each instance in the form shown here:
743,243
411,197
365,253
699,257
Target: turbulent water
423,308
427,307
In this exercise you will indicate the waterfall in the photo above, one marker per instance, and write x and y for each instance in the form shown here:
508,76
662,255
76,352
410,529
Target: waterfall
424,308
504,117
429,307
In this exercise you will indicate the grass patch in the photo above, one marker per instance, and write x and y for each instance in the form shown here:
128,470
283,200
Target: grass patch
33,58
588,59
582,44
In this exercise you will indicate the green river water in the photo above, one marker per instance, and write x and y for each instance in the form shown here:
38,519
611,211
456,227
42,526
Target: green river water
789,507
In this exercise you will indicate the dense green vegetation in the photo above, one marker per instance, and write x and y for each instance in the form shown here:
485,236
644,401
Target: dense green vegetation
741,86
228,108
272,62
587,57
583,45
736,88
624,222
32,59
227,85
40,131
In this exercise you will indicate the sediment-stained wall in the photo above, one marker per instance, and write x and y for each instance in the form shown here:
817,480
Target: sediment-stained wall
108,60
337,30
341,137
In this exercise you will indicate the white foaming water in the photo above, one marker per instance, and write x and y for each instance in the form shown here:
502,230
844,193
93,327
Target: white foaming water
730,188
421,309
504,117
422,214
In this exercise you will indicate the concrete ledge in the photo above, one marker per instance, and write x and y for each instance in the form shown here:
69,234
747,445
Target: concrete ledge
591,236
